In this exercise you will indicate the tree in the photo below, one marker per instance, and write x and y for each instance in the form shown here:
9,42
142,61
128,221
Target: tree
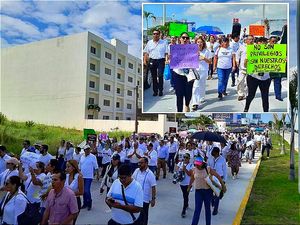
162,28
277,123
293,97
283,128
148,15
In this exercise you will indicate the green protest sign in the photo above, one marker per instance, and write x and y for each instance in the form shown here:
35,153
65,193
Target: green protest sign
266,58
175,29
87,132
192,34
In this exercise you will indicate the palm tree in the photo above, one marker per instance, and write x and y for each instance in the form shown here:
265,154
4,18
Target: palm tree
148,15
293,97
277,123
283,127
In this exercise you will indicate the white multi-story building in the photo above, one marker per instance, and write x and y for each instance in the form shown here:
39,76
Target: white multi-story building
61,81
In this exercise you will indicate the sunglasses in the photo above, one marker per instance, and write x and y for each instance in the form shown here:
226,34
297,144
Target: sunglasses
184,37
155,33
9,164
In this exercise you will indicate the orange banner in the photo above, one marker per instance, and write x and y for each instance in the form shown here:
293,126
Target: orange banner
257,30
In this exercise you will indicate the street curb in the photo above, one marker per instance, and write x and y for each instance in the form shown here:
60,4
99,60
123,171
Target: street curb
239,215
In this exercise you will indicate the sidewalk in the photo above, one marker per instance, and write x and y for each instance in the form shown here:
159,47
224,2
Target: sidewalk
167,103
169,202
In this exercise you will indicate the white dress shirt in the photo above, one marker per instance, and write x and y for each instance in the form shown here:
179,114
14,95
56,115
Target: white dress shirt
87,165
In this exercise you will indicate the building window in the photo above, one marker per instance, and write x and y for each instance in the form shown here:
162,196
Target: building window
106,87
117,118
130,65
91,101
138,82
119,76
129,106
92,66
119,61
106,117
106,102
130,79
107,55
107,71
129,93
92,84
139,70
118,104
90,117
128,118
118,91
93,50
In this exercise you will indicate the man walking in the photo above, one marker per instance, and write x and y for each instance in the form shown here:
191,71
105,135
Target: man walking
146,178
162,157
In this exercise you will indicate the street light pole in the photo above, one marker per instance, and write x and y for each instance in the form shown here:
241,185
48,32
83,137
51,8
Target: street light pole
136,109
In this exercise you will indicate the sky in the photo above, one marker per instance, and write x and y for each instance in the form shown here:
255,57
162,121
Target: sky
28,21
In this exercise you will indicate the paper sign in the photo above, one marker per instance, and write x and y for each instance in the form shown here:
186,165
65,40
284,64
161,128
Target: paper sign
28,158
103,136
184,56
257,30
176,29
266,58
46,184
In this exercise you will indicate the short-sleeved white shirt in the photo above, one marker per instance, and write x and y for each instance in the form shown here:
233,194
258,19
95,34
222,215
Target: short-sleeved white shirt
224,58
46,158
3,162
133,195
134,158
106,156
153,160
87,165
33,191
186,180
147,181
203,66
156,50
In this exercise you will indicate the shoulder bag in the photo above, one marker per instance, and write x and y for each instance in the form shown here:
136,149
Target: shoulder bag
31,215
135,221
213,183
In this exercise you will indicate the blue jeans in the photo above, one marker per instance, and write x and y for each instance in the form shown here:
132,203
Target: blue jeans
87,198
223,76
202,195
277,87
215,202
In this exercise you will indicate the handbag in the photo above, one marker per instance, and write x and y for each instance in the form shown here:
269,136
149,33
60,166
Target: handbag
32,214
167,72
213,183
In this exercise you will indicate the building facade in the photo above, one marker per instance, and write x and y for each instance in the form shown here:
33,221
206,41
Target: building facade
66,80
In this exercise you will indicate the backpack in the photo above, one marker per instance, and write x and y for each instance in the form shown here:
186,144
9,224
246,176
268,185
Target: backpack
32,214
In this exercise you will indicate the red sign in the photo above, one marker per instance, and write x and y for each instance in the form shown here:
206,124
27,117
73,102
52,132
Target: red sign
257,30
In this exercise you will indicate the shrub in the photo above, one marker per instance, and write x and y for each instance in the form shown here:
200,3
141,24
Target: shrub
29,123
3,118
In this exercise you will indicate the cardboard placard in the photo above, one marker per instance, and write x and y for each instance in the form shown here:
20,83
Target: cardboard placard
175,29
184,56
257,30
266,58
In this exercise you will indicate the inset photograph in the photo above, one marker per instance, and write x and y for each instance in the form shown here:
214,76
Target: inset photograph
215,58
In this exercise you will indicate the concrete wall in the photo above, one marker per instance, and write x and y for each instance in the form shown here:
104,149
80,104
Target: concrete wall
45,81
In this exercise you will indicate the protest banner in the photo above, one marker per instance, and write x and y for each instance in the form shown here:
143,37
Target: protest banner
257,30
86,132
184,56
92,141
175,29
266,58
28,158
46,183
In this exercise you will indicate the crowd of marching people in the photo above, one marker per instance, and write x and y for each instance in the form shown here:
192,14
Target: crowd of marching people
40,188
224,55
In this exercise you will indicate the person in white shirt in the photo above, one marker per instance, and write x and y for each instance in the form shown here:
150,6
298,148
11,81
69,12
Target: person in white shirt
11,165
218,163
146,178
33,181
234,44
142,145
224,63
187,168
173,147
180,153
212,46
134,155
155,52
151,154
69,152
77,155
88,166
225,149
119,151
60,153
14,202
106,158
3,158
45,156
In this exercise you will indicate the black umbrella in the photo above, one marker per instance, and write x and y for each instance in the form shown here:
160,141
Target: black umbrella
239,130
208,136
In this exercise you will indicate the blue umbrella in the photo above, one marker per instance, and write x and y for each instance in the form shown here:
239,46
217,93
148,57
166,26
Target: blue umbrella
209,30
276,32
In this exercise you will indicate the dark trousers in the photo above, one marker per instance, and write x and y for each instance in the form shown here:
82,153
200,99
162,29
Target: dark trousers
87,197
210,69
202,195
183,90
153,169
99,161
264,148
157,67
215,202
185,195
171,162
264,86
144,214
236,71
172,81
277,87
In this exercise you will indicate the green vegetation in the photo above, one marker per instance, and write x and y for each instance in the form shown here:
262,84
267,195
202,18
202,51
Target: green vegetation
274,198
13,133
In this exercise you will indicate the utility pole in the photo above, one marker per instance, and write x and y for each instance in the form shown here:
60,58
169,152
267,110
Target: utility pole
136,109
164,14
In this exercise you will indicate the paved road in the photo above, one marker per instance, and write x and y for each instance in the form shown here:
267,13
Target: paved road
169,202
167,103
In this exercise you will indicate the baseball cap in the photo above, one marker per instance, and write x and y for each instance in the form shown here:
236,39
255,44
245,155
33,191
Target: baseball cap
86,147
199,161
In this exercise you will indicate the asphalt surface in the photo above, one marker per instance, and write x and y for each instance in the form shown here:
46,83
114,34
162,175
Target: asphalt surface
167,102
167,210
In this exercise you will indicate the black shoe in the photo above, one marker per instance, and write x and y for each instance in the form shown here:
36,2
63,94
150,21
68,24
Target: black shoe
245,110
232,85
224,93
194,107
215,212
154,94
89,208
183,214
160,93
220,96
83,207
164,177
279,99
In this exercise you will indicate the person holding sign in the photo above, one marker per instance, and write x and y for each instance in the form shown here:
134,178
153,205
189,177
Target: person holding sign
157,50
199,85
224,63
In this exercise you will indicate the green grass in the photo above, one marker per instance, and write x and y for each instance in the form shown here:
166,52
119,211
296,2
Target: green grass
274,198
13,133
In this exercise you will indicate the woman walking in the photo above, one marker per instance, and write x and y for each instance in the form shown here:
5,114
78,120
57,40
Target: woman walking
234,161
198,96
224,63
